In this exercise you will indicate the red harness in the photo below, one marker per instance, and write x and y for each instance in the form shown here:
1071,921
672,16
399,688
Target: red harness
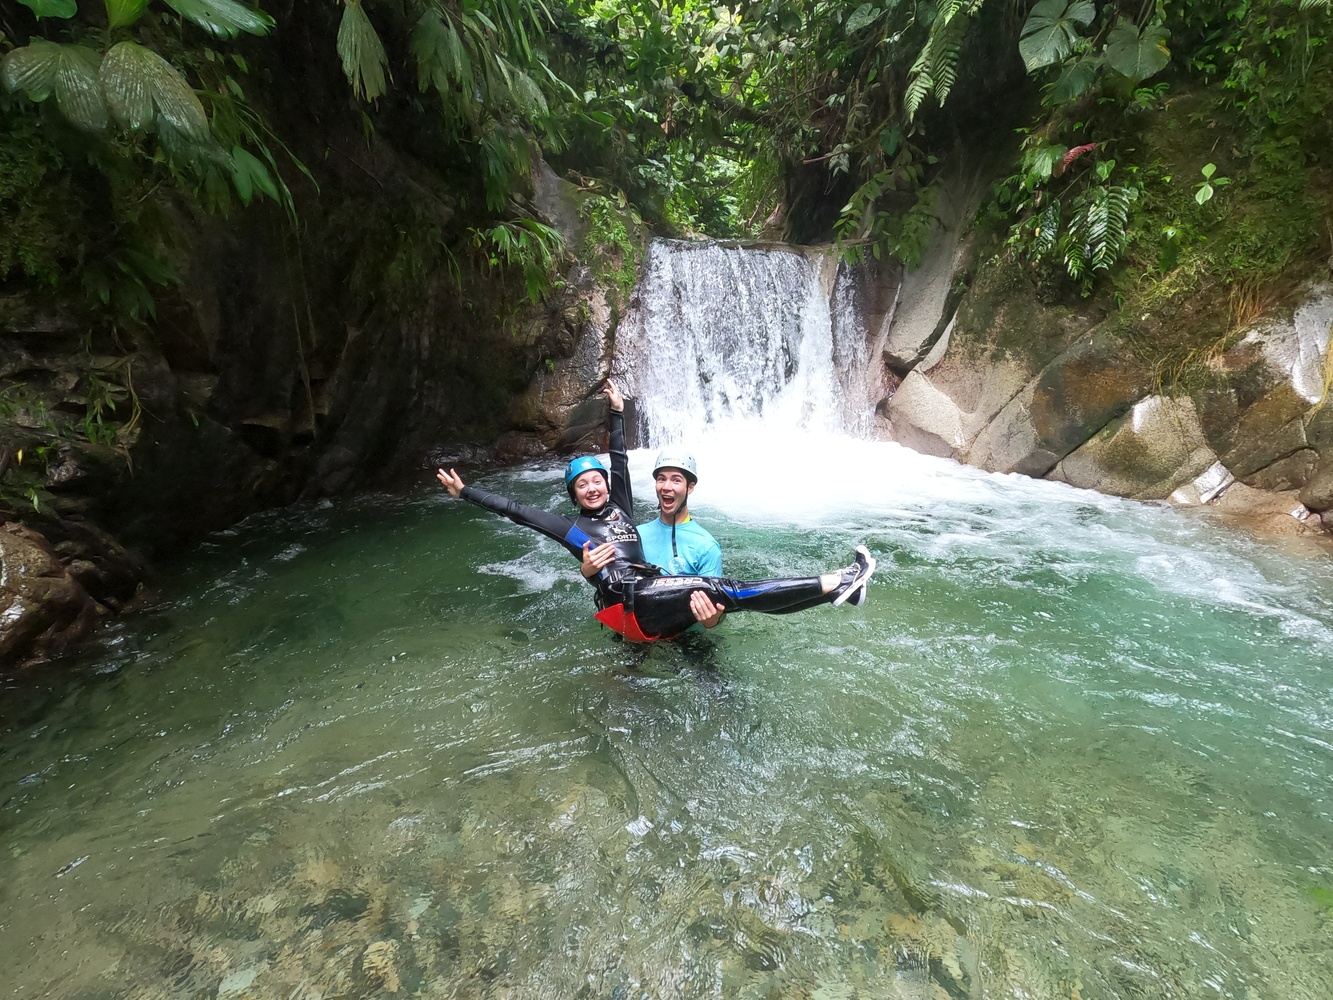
618,620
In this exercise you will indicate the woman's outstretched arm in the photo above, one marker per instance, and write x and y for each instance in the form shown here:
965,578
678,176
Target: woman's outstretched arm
563,529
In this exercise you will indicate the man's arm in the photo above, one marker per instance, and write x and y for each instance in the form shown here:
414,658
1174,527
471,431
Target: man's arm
705,611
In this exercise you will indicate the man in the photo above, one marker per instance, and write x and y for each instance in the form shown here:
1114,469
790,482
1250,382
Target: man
674,540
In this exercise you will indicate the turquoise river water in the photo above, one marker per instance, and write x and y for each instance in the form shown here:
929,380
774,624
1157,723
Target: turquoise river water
1074,747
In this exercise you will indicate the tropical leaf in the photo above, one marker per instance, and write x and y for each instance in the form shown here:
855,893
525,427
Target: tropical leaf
362,52
442,61
143,91
52,8
41,69
123,13
1075,80
1137,54
249,174
862,17
1040,163
223,18
1049,33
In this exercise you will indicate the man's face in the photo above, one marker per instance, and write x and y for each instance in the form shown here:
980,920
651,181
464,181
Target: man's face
673,491
590,490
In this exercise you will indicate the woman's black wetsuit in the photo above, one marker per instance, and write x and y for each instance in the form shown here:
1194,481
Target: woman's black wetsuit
633,596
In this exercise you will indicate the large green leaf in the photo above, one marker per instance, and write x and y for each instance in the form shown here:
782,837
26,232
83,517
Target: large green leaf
143,90
123,13
362,52
441,58
223,18
1137,54
1074,80
41,69
862,17
52,8
1051,29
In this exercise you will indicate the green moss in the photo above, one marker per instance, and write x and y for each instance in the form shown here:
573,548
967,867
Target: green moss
613,246
41,210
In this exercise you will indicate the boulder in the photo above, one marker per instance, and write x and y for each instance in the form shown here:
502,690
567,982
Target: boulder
555,405
1077,394
925,298
1265,388
43,609
1147,454
1317,493
949,398
985,356
1262,510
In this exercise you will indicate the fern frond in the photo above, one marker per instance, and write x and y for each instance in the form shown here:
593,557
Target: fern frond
920,85
1048,228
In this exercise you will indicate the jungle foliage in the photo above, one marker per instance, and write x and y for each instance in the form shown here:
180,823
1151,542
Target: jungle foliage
708,118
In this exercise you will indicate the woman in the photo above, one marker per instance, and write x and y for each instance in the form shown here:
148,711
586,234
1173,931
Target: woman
633,596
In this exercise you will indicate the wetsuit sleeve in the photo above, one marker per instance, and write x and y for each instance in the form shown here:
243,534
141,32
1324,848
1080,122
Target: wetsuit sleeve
557,526
621,493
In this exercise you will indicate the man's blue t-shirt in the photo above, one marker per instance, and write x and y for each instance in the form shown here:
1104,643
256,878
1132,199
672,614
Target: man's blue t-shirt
697,552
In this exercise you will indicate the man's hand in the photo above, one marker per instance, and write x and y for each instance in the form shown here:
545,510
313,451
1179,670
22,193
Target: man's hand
451,481
613,396
706,613
597,558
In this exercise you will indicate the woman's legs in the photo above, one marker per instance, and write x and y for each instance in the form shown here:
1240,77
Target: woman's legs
661,604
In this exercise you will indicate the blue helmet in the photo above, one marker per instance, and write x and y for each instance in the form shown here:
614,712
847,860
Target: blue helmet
580,465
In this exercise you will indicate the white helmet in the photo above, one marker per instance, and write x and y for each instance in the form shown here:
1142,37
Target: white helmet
670,458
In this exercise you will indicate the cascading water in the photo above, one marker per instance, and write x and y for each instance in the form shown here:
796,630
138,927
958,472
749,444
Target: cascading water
723,335
1073,745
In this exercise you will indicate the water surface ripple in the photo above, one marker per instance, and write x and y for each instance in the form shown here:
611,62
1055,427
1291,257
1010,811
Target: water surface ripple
1074,747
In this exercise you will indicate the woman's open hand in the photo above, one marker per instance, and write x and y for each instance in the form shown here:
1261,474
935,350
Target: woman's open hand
613,396
451,481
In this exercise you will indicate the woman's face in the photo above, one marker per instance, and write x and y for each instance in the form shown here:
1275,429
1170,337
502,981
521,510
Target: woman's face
590,490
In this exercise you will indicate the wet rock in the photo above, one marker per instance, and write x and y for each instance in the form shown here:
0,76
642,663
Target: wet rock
1263,511
559,202
1317,494
558,408
1147,454
926,297
1265,388
1077,394
43,609
1288,473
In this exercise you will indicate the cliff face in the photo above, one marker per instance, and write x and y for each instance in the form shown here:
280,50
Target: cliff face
1005,379
283,367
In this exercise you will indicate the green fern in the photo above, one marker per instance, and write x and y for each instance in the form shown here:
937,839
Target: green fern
935,69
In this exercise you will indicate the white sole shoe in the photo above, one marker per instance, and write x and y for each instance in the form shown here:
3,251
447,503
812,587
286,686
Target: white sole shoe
854,593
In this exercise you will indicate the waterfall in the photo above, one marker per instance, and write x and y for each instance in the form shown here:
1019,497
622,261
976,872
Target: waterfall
723,335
